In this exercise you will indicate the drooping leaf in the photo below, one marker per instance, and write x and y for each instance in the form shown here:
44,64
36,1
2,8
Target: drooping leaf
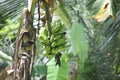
78,41
5,56
105,11
63,15
56,72
79,45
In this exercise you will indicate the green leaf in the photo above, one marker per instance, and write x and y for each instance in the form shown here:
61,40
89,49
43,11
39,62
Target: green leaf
62,13
79,45
40,69
78,41
56,72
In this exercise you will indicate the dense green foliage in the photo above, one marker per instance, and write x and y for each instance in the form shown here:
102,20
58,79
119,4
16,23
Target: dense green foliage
91,50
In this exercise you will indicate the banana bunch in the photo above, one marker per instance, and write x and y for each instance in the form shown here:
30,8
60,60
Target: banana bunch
56,42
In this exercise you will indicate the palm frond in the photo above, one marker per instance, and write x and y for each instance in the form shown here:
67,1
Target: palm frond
105,47
11,9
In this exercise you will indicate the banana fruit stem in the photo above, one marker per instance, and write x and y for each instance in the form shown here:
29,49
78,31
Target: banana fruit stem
48,19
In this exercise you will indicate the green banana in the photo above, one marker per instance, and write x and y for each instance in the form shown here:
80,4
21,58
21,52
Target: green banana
45,32
57,41
55,29
60,48
55,50
60,41
42,38
61,33
48,48
47,53
45,42
58,28
61,29
57,37
52,38
53,44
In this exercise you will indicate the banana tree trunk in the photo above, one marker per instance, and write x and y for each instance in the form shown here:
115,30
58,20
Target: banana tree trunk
26,49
